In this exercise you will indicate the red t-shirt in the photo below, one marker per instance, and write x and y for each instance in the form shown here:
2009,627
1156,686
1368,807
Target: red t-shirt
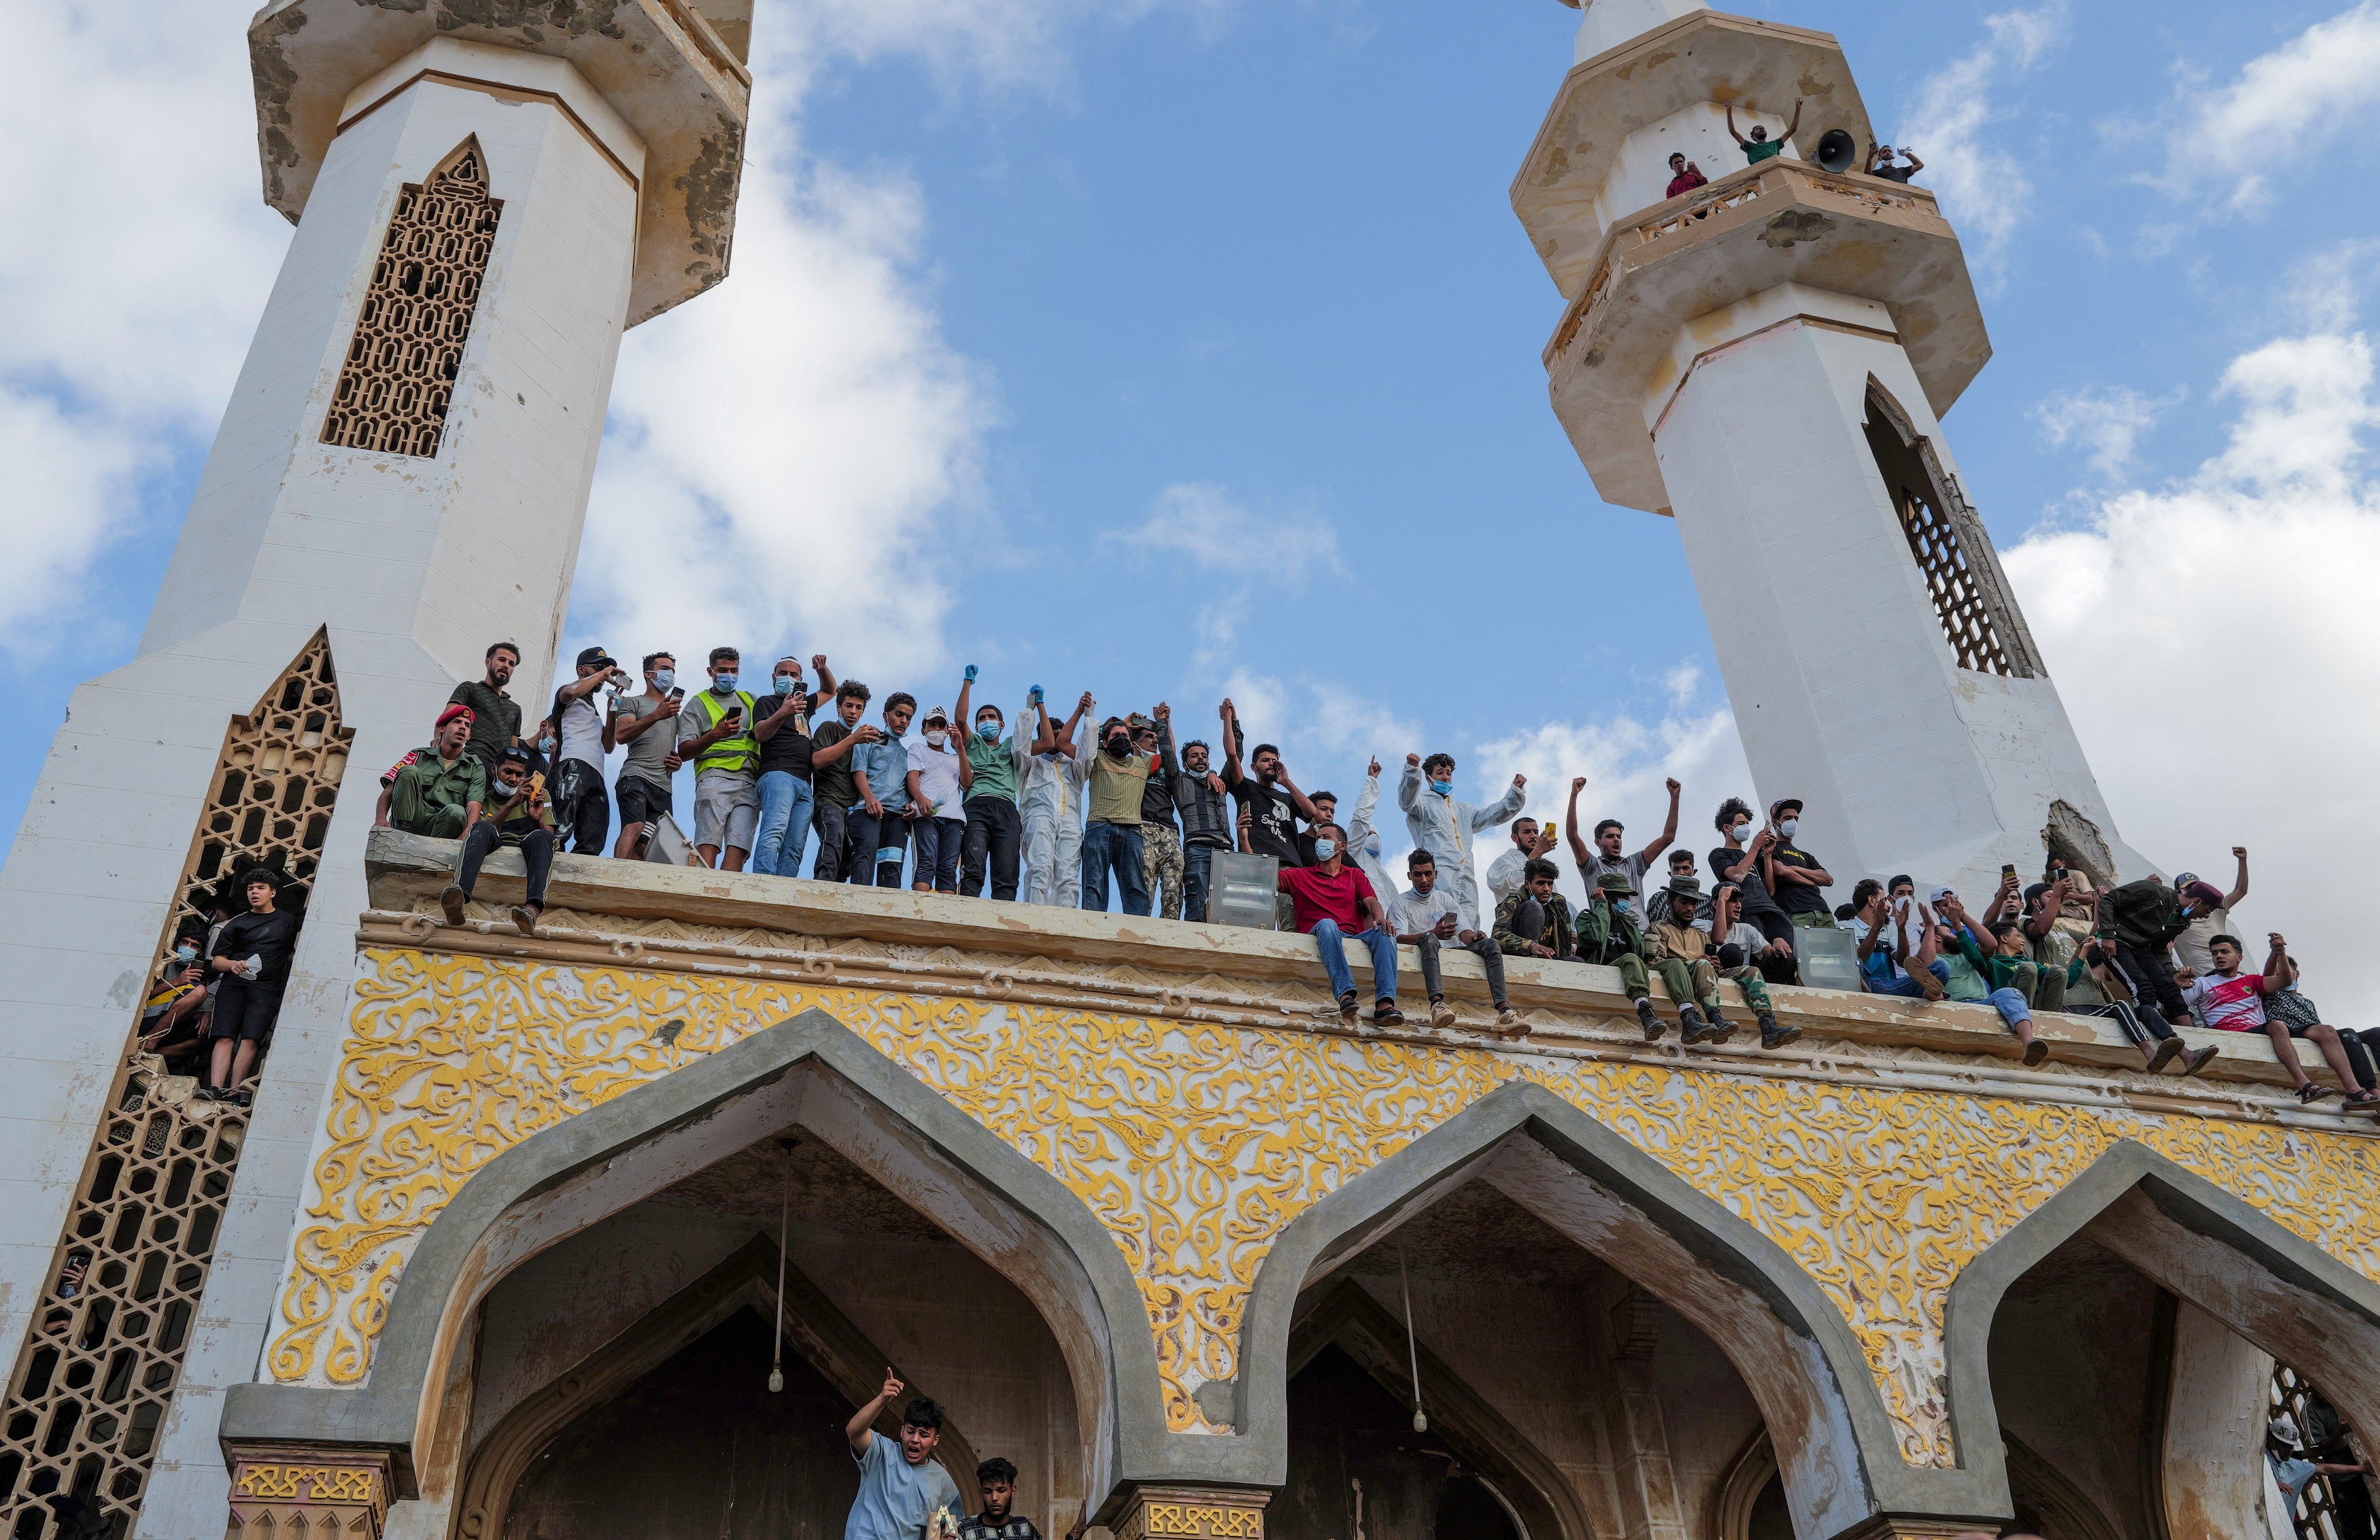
1686,181
1316,896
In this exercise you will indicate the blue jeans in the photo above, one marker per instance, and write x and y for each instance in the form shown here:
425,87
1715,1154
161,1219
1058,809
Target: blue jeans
1912,989
1113,846
1197,880
784,824
1331,943
2010,1004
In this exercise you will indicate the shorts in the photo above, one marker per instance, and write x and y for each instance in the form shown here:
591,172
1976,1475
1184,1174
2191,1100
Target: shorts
726,810
2293,1010
246,1012
640,801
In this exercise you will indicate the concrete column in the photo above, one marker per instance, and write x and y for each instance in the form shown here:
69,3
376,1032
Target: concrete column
1844,687
2215,1416
1188,1513
280,1489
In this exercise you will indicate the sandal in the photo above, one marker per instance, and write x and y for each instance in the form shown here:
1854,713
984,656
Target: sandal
2363,1101
2310,1093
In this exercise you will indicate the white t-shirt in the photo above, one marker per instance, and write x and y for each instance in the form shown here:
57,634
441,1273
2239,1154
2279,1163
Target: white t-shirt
582,730
938,777
2191,946
1411,913
1504,875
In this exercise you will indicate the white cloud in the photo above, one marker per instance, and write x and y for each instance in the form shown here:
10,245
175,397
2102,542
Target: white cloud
2209,638
1962,133
2283,107
122,341
1206,526
2105,424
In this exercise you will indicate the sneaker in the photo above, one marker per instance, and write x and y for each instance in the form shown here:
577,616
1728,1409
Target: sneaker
208,1093
1653,1028
1347,1008
1509,1021
1691,1028
1440,1013
242,1098
2167,1048
525,915
2036,1052
1931,984
1773,1036
1385,1013
2197,1059
452,900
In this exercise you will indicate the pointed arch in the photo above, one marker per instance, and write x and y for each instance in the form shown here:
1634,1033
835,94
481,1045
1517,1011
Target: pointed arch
1348,1317
1954,550
810,1072
820,1334
398,381
2279,1292
1841,1462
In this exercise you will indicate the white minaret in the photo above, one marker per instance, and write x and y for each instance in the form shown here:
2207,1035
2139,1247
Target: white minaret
403,470
1766,359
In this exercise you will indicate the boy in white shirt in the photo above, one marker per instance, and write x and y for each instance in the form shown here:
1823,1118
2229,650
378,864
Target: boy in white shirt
1424,916
940,828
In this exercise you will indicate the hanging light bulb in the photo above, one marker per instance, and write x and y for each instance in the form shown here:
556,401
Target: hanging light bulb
1421,1418
784,1224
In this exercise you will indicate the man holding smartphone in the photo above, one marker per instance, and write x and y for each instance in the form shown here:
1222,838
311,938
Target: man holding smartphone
646,726
716,728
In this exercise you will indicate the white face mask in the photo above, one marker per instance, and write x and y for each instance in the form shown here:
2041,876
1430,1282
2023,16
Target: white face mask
664,680
1740,831
1788,826
935,735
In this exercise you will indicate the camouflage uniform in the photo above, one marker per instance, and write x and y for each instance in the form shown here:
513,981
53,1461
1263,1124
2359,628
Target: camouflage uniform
1557,915
1160,860
1613,938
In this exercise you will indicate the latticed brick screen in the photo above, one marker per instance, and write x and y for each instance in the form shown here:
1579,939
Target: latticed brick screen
1959,602
104,1348
2316,1516
399,378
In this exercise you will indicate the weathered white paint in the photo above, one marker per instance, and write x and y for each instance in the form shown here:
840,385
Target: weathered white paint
1640,173
1609,23
415,564
2214,1414
1845,688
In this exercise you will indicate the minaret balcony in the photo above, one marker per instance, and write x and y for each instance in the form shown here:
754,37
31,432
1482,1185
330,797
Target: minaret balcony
1620,351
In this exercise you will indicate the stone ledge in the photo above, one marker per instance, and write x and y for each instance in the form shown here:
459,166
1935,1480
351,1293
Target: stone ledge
610,912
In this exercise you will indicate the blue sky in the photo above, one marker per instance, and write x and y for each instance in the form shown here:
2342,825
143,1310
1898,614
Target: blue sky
1163,350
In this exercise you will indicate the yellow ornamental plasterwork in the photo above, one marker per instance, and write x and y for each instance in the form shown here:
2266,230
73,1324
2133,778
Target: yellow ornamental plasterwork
1195,1144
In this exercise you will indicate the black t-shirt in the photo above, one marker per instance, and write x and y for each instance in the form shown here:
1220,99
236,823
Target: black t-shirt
1895,173
1756,899
1275,834
1800,898
835,786
790,749
269,938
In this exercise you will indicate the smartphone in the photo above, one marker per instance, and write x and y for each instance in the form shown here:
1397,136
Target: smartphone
2008,869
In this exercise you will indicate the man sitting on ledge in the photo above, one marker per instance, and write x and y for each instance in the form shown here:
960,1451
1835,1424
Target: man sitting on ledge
436,791
1332,900
523,819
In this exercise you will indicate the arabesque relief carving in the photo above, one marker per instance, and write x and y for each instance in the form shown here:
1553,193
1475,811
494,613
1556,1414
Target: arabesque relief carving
1195,1144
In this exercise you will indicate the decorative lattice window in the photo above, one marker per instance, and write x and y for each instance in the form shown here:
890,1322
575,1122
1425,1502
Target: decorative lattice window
1954,554
2318,1423
399,378
104,1348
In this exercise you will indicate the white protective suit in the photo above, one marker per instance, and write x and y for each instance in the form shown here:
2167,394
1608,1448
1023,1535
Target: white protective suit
1051,798
1364,843
1446,830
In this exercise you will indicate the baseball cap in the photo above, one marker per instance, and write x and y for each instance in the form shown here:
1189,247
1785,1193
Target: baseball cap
936,713
1937,895
589,656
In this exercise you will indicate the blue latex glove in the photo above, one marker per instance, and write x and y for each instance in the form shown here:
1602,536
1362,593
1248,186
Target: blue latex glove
970,673
1034,697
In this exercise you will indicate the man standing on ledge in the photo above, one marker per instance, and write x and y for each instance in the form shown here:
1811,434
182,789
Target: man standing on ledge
902,1486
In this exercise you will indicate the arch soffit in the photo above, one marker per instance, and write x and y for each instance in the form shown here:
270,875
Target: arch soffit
1789,1341
808,1070
1348,1316
2277,1289
820,1332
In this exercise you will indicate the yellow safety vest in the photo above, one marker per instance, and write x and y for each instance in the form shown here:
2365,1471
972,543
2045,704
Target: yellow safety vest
742,753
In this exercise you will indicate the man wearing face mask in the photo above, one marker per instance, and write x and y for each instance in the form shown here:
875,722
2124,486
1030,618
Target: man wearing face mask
1052,801
1160,839
939,828
1111,840
784,731
1332,900
989,774
647,726
716,728
1207,826
1791,874
1448,829
1611,931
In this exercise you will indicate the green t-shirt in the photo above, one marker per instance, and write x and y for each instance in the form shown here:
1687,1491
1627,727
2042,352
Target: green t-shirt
994,767
1758,150
1965,982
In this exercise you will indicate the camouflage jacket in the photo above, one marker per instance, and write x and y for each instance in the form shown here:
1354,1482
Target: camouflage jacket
1606,936
1558,921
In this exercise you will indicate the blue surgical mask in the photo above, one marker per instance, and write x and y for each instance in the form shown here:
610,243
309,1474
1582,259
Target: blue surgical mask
664,680
1443,788
725,683
545,746
185,953
988,732
1625,905
1787,827
1324,849
784,683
